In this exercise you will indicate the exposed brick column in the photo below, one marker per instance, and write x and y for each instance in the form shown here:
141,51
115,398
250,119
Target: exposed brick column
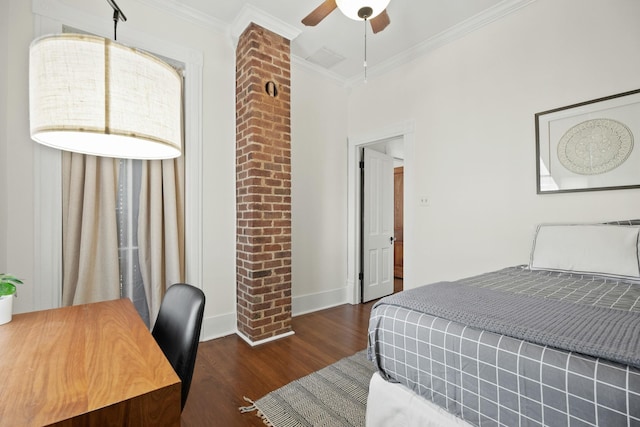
263,184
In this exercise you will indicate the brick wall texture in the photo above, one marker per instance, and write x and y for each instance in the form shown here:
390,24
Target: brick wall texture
263,184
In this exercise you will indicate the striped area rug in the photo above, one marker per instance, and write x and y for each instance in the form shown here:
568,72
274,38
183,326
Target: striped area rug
334,396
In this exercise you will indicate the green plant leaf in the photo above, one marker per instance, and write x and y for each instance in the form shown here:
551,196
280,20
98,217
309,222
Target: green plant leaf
7,288
9,278
8,284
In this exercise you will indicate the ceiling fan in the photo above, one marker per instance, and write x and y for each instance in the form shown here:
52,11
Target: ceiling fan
373,11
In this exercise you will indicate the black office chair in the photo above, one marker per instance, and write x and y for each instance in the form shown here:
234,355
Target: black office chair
177,330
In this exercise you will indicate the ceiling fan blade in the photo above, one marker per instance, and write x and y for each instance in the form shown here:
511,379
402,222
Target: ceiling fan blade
319,13
380,22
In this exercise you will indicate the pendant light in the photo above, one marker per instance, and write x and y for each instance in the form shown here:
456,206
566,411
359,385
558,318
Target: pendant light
95,96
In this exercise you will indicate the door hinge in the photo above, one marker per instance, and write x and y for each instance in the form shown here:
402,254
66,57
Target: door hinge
361,164
360,276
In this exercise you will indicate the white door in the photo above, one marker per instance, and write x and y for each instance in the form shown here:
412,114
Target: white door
377,226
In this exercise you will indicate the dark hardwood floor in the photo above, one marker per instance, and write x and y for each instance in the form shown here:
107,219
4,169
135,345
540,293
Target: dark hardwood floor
228,368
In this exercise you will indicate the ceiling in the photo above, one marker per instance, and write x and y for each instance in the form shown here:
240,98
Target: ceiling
417,26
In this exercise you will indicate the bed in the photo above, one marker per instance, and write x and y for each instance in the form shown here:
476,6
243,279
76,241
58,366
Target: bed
555,342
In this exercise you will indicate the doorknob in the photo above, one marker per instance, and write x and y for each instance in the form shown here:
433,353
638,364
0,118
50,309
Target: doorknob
391,240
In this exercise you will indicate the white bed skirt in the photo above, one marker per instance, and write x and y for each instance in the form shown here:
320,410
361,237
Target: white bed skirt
394,405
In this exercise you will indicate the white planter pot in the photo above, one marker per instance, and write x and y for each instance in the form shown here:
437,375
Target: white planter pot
6,309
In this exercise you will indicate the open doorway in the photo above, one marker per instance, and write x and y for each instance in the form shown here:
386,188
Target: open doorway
376,224
403,133
398,227
381,218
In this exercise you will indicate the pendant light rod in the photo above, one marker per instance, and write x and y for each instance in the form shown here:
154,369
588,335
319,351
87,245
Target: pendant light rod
117,12
118,15
365,50
364,13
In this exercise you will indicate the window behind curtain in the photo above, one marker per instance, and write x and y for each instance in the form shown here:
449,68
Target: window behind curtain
127,209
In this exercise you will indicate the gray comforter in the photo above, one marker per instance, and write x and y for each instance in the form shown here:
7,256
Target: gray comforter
517,347
610,333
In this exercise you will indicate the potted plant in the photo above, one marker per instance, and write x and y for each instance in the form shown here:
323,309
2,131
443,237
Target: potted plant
8,290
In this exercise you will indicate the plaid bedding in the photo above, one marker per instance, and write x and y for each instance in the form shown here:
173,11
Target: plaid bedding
491,379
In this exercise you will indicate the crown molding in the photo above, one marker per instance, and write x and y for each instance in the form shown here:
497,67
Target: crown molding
58,11
250,13
465,27
188,14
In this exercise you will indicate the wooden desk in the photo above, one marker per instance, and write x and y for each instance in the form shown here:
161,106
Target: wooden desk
87,365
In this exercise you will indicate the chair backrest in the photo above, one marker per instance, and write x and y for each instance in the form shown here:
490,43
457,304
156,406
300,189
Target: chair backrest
177,330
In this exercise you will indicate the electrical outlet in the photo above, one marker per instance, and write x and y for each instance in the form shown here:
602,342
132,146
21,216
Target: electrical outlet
424,201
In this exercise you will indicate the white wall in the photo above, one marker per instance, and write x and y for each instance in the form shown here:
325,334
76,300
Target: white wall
318,191
19,237
4,46
473,103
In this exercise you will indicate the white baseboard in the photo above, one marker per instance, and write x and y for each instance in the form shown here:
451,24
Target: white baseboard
309,303
264,341
225,324
218,326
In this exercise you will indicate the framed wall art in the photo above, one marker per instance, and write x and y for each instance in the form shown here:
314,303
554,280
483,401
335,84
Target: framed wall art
589,146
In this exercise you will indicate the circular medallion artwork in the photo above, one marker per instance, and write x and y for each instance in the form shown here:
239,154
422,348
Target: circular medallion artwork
595,146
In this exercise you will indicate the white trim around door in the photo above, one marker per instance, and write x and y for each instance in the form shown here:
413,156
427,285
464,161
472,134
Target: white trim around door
404,130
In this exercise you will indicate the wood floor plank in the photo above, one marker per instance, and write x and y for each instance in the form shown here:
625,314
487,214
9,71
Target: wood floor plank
228,368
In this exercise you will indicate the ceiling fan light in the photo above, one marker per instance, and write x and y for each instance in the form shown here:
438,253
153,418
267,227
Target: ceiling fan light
95,96
351,8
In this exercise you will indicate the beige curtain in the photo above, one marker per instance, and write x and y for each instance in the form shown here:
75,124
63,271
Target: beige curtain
161,229
90,233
